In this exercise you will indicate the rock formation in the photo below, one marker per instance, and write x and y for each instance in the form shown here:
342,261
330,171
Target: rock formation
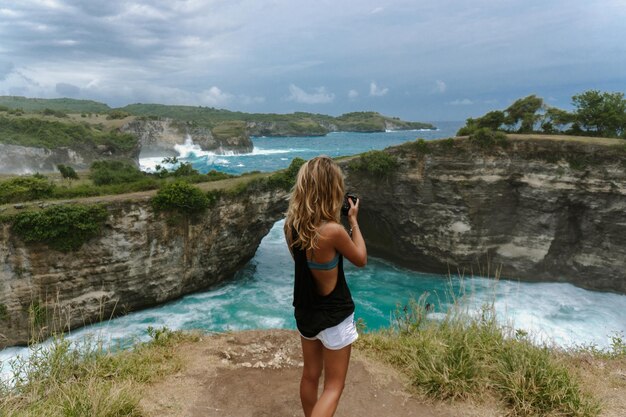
15,159
158,137
140,260
542,209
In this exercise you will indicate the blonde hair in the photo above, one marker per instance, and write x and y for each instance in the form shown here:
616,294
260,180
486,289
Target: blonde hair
316,197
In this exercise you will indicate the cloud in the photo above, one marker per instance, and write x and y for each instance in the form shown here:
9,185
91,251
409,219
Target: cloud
377,10
352,94
67,90
462,102
215,97
440,87
318,97
376,91
6,68
247,100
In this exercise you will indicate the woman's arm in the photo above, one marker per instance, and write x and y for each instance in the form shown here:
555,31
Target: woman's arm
353,248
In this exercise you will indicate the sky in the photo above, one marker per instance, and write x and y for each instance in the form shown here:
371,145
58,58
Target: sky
426,60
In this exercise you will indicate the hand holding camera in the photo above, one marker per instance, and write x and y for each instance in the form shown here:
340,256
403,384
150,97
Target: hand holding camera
345,208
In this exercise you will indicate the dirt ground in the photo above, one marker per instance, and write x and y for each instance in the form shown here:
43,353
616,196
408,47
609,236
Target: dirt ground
257,374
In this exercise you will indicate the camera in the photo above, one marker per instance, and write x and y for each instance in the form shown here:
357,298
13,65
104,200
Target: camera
346,205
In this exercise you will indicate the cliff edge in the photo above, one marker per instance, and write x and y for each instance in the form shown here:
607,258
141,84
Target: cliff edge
541,208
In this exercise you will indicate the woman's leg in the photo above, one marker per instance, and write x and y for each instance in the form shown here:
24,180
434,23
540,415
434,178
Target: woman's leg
312,357
335,370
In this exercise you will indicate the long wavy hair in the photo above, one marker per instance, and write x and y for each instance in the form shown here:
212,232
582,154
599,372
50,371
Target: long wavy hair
316,197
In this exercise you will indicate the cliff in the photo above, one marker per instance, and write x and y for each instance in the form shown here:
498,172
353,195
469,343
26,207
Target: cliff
16,159
158,137
140,259
542,208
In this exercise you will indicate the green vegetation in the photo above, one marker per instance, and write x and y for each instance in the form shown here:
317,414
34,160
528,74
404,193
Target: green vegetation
4,312
114,172
65,105
229,129
596,113
280,180
117,114
63,228
71,379
37,314
376,163
25,189
106,178
56,113
67,172
51,134
180,197
421,146
467,356
295,124
488,139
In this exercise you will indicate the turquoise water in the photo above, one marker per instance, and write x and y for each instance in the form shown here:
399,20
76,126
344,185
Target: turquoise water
260,294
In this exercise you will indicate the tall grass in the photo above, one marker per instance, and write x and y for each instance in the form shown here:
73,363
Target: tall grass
85,379
473,356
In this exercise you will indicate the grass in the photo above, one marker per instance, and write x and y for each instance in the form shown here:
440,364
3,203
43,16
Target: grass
68,379
473,357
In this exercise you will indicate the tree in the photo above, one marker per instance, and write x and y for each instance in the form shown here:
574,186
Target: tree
524,113
601,114
492,120
67,172
554,120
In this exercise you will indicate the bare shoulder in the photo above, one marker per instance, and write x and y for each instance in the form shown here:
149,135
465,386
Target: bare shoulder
332,230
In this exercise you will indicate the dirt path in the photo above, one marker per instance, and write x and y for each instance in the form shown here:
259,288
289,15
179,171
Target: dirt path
257,374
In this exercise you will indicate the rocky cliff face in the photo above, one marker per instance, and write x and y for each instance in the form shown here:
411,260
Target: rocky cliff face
140,260
542,209
15,159
158,137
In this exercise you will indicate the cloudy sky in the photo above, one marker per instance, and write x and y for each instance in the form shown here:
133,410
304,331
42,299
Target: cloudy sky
420,60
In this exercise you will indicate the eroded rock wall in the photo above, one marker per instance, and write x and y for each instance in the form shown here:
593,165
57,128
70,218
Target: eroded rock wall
158,138
541,209
140,260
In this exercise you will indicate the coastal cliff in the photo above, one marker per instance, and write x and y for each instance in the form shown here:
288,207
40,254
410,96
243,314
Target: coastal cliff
542,208
158,137
16,159
140,259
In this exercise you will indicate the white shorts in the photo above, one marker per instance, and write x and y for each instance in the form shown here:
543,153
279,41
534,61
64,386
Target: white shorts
339,336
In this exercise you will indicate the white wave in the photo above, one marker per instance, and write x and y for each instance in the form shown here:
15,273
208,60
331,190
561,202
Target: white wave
259,151
149,164
410,130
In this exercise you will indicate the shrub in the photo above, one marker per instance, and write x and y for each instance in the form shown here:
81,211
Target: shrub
25,189
487,138
421,146
55,113
4,312
114,172
81,378
375,163
287,178
117,114
467,355
67,172
64,228
180,197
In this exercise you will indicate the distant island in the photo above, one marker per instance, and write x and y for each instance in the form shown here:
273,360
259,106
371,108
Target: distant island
37,134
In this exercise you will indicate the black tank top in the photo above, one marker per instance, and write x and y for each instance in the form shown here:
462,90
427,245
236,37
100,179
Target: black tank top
315,312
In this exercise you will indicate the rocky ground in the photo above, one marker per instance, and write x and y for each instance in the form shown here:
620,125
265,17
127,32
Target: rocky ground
257,374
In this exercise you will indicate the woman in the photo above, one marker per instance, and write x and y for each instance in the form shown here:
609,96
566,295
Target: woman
324,309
